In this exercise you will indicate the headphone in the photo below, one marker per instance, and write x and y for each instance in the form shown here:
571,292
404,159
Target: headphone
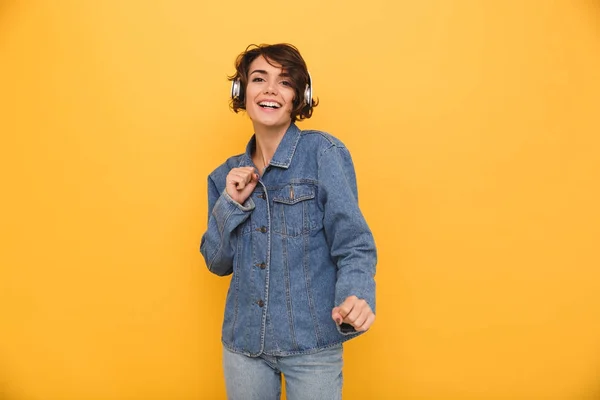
236,90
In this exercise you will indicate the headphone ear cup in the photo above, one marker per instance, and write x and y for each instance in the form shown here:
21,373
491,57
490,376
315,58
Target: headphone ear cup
308,96
308,92
235,89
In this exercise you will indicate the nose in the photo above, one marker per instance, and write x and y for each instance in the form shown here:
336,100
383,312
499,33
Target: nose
271,87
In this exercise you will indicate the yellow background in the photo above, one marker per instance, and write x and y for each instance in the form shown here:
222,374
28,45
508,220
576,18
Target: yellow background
474,129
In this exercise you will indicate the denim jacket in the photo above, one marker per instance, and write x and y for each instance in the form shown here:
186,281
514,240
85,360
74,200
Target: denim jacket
297,247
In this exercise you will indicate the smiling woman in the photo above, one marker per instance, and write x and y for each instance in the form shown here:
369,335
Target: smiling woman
284,220
476,149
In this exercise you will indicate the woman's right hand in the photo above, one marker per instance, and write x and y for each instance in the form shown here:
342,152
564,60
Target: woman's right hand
240,183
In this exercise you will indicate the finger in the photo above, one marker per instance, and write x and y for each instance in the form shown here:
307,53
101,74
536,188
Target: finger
240,180
233,180
245,172
345,308
241,171
250,183
362,318
358,308
247,176
367,324
336,316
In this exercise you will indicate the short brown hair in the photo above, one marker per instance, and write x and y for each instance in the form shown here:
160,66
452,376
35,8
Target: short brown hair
291,61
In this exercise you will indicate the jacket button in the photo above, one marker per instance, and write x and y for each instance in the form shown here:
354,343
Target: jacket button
263,229
262,265
260,303
261,196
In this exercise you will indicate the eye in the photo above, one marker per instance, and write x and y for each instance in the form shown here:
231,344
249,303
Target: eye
257,79
286,83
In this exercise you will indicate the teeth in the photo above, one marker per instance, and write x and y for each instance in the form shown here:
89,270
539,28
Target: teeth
271,104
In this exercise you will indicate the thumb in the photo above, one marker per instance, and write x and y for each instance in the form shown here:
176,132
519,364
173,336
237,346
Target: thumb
253,179
253,182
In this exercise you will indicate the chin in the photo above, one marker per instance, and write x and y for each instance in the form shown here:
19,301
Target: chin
272,124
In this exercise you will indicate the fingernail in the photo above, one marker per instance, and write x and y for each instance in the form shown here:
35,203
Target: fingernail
338,321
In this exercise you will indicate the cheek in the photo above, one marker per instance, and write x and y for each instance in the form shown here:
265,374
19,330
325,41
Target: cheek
251,92
289,100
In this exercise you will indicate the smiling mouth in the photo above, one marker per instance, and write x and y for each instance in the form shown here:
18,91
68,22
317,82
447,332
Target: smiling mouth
269,104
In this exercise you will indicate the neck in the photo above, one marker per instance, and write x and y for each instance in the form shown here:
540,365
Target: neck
267,140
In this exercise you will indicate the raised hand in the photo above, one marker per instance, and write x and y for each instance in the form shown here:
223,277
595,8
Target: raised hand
240,183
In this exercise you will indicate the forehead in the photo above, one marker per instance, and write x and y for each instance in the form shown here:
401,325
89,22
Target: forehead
261,64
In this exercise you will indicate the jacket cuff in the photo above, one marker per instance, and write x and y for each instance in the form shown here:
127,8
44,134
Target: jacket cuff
225,206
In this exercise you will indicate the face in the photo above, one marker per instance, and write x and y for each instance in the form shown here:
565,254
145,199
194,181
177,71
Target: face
269,95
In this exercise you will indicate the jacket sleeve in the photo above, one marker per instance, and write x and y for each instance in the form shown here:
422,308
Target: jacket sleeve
350,240
224,216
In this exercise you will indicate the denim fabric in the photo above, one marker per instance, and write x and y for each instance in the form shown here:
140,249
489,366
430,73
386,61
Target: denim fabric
316,376
297,247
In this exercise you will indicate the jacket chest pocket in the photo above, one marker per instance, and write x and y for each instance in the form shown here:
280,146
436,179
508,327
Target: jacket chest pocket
295,210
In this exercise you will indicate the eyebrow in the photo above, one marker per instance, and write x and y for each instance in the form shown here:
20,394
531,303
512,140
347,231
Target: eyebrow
262,71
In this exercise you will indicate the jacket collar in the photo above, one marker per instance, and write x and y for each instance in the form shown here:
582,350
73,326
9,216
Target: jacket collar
285,151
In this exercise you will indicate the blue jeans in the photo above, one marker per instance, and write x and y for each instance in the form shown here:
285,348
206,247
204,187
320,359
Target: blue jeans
316,376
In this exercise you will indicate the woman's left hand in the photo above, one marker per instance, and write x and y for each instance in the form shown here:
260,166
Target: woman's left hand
354,311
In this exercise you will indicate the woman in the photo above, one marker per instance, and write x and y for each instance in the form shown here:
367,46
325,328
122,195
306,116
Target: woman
284,220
